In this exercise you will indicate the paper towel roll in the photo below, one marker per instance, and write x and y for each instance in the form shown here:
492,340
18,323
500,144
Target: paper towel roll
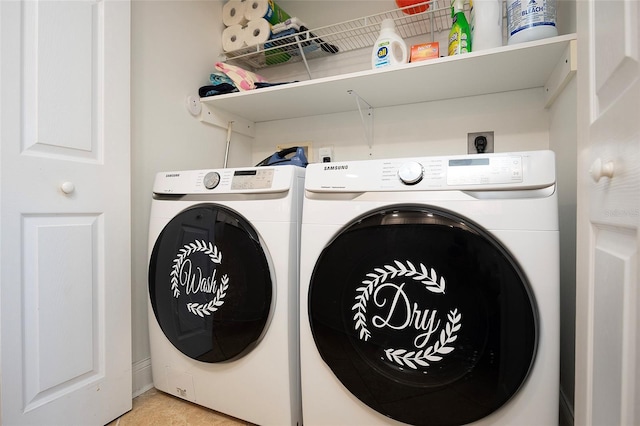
266,9
233,38
486,24
257,31
233,12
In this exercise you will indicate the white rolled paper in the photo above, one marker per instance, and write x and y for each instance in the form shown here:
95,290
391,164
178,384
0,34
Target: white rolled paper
267,9
233,12
256,9
257,31
233,38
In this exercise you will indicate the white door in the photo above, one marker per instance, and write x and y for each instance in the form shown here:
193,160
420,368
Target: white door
608,284
64,211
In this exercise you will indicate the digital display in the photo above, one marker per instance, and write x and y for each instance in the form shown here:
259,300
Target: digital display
469,162
261,178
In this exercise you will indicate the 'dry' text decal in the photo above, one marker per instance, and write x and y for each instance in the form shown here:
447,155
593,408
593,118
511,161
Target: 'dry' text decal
386,288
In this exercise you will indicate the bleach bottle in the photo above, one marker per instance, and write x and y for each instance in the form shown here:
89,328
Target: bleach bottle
529,20
389,49
460,34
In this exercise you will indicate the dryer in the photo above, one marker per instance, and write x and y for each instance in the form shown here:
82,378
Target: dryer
223,290
430,291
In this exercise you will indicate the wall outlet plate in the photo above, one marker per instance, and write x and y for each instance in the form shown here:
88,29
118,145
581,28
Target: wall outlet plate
474,139
325,154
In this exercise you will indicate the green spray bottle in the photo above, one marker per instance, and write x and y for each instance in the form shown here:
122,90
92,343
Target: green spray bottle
460,35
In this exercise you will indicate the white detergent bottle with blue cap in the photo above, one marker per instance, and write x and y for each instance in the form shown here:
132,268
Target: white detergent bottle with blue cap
389,49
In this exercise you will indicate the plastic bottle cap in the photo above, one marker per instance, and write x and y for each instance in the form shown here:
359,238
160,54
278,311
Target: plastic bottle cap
387,24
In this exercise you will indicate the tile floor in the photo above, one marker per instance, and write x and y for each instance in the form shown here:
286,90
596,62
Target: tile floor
155,408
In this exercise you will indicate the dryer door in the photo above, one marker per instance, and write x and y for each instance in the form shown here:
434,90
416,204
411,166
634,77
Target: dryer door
423,316
210,284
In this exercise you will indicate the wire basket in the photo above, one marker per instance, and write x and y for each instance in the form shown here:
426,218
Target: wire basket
344,37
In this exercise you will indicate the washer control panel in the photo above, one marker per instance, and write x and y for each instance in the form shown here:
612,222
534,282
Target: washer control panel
226,181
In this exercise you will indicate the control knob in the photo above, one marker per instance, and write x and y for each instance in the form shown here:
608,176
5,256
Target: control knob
410,173
211,180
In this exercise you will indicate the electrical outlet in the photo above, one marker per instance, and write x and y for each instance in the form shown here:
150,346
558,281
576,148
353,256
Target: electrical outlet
480,142
325,154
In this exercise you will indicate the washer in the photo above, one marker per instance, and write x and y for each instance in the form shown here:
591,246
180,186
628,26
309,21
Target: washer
223,290
430,291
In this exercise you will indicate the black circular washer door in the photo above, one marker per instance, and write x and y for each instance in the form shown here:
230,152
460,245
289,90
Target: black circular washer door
209,284
423,316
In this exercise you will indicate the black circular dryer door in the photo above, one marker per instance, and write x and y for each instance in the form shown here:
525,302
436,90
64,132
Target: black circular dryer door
423,316
209,284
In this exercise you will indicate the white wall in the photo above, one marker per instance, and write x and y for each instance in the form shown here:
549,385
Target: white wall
518,119
174,48
563,131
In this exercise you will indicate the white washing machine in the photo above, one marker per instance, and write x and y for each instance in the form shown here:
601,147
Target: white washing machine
430,291
223,290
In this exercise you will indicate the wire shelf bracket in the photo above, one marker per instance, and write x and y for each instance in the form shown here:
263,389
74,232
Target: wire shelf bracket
366,117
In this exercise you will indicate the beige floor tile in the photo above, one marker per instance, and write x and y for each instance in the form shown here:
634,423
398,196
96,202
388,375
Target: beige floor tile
155,408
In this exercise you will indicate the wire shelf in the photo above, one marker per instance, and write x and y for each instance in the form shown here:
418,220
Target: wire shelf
344,37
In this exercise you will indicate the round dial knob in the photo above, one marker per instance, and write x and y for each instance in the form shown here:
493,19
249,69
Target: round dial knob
211,180
411,173
68,187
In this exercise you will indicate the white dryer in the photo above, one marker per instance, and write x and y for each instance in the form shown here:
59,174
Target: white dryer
223,290
430,291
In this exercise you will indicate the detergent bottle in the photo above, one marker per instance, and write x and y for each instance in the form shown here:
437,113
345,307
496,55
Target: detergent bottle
389,49
460,35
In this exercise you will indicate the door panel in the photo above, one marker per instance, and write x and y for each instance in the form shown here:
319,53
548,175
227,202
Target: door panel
60,271
617,50
61,80
607,341
615,254
65,301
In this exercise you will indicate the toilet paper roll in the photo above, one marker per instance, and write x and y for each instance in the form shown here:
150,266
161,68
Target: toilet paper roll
233,38
266,9
257,31
233,12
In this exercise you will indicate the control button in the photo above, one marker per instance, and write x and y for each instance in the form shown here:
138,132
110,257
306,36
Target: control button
211,180
411,173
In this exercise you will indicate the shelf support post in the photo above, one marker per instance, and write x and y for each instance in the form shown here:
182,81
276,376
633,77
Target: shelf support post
366,117
302,55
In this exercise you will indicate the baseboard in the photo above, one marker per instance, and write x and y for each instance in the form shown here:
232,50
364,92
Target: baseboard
142,378
566,410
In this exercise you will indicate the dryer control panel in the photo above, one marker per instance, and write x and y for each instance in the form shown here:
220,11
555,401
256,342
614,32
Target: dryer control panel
495,171
485,170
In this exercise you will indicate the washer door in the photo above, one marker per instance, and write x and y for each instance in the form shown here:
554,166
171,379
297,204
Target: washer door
423,316
210,284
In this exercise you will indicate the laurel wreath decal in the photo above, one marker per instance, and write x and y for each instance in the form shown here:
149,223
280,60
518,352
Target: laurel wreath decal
432,353
428,278
208,308
216,257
